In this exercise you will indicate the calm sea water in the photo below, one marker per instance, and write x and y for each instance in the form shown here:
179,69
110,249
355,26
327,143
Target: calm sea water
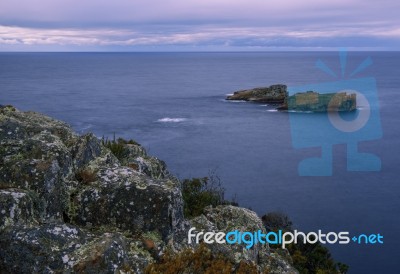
173,104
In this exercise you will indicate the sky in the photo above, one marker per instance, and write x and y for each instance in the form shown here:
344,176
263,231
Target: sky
198,25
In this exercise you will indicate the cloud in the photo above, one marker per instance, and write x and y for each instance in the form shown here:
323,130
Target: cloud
239,23
200,36
267,12
156,10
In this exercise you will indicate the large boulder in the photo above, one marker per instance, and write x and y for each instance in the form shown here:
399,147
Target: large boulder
129,200
35,156
135,156
231,218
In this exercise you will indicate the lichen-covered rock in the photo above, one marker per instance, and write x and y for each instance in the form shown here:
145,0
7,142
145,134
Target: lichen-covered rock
39,249
34,156
231,218
137,158
18,207
68,204
64,248
278,264
109,253
152,166
86,149
129,200
19,125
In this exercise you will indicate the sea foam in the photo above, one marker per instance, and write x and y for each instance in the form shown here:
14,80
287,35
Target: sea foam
171,120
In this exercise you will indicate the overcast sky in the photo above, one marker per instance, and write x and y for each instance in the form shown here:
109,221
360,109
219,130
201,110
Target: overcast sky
198,25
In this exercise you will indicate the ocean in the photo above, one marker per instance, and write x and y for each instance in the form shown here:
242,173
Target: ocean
174,105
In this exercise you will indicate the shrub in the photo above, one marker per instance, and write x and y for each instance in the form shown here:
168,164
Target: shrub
274,221
307,258
118,146
199,193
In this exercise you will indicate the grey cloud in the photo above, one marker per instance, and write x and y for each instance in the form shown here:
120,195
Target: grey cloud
240,23
230,36
147,11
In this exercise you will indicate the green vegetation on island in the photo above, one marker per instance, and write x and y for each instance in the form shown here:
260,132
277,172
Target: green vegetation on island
310,101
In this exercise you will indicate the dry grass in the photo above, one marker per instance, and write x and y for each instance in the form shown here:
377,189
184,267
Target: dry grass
200,260
86,176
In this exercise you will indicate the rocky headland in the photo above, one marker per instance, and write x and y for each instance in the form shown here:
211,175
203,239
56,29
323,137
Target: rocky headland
303,101
69,205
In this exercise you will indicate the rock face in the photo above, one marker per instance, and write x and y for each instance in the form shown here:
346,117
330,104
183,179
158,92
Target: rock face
67,204
230,218
316,102
275,94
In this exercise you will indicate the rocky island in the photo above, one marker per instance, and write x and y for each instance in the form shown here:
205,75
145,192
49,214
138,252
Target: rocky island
302,101
275,94
68,204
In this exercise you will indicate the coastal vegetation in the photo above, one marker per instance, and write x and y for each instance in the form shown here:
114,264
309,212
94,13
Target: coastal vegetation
199,193
200,260
118,146
307,258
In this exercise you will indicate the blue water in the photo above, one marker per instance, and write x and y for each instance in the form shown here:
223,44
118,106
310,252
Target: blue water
173,104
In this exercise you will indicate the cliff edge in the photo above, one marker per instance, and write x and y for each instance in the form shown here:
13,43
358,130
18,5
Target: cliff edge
68,204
